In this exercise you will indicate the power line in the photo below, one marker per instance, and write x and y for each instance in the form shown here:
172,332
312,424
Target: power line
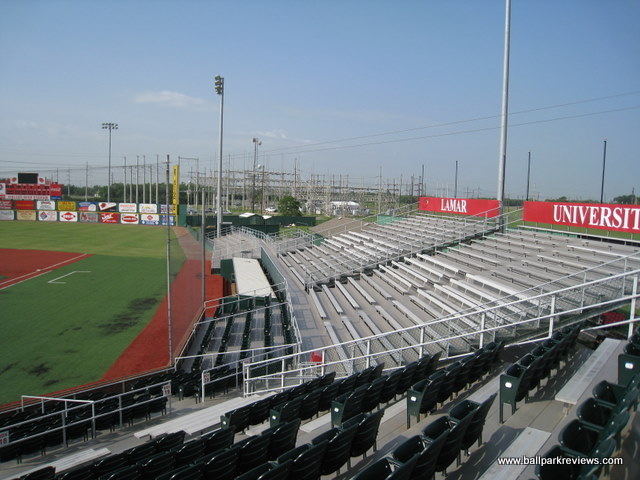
460,132
456,122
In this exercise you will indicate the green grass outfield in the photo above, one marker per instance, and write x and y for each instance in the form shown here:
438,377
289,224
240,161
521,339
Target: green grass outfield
60,335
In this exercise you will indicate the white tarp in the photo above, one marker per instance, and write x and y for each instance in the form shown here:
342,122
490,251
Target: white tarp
250,279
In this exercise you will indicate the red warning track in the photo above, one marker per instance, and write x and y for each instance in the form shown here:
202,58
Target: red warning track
21,265
150,349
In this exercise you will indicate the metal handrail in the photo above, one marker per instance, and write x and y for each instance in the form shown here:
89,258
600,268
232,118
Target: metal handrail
298,363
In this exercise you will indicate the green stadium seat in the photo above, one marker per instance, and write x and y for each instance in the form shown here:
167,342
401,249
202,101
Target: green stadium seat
306,461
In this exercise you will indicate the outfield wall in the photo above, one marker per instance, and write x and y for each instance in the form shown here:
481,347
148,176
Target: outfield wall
87,212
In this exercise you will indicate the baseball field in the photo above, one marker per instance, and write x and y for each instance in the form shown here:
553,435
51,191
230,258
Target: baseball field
73,297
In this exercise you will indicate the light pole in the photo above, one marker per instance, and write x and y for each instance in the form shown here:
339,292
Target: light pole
604,163
455,183
256,143
219,82
528,175
109,126
262,193
505,115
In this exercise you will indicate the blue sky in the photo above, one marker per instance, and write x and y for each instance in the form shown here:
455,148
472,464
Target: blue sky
340,87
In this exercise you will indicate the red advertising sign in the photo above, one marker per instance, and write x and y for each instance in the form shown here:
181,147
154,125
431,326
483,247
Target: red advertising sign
55,190
25,204
110,217
620,218
460,206
5,204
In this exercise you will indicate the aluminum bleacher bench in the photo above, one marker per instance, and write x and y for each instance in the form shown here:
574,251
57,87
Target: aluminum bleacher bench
384,341
431,259
500,287
465,301
413,273
580,381
392,283
362,291
529,440
478,256
425,306
386,295
199,421
400,277
333,300
71,461
348,365
296,274
444,307
445,310
425,268
318,305
460,258
348,296
485,296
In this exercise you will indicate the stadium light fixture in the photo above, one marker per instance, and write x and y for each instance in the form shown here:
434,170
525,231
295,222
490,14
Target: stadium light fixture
109,126
219,86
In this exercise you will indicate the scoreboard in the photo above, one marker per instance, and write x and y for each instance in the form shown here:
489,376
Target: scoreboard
29,186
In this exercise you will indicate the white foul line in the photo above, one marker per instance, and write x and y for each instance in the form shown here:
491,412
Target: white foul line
66,275
10,282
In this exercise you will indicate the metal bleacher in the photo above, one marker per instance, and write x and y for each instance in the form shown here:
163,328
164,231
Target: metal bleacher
457,288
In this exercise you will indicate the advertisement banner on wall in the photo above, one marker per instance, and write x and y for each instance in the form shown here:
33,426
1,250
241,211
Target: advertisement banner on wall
107,206
172,220
148,208
127,207
6,215
28,215
47,216
24,205
619,218
88,217
68,216
150,219
5,205
129,218
46,205
87,207
55,191
175,192
66,206
460,206
163,209
110,217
